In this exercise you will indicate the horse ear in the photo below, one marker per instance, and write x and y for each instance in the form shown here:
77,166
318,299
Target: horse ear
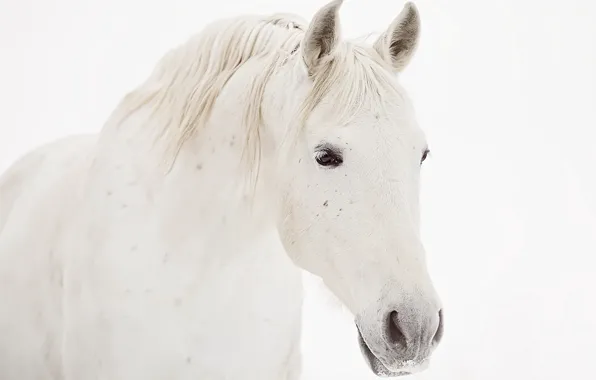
322,35
398,43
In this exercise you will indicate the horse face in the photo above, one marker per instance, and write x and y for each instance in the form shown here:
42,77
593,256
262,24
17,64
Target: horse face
349,187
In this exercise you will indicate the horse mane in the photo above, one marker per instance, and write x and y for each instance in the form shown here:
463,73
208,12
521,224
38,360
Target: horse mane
188,80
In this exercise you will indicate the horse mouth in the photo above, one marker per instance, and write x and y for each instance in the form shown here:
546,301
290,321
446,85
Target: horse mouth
375,363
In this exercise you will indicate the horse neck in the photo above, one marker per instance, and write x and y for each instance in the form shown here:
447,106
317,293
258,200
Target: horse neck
205,197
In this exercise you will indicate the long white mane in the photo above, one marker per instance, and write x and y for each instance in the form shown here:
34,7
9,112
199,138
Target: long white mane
188,80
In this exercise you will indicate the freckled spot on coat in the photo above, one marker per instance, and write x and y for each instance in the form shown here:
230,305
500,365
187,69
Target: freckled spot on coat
299,160
326,203
199,167
166,257
340,209
133,248
108,193
188,359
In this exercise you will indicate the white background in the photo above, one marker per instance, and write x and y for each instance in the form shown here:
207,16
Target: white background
506,92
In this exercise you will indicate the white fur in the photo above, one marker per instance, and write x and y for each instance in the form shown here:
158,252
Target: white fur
169,246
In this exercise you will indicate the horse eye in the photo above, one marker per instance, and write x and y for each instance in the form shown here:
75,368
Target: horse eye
426,152
328,157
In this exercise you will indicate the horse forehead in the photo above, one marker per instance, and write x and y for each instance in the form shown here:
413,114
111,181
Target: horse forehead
396,122
374,140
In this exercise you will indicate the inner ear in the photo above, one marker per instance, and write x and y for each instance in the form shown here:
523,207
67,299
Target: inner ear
398,43
322,36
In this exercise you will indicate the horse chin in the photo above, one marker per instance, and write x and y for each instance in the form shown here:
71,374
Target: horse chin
375,364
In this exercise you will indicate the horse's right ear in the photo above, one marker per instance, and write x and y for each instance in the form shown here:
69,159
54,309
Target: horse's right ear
322,36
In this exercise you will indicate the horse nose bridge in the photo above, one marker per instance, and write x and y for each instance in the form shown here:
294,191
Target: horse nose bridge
401,230
407,264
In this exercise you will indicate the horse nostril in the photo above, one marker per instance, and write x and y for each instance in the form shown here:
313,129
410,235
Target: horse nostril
439,332
394,330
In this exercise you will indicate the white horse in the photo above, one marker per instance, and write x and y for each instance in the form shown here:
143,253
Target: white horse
170,245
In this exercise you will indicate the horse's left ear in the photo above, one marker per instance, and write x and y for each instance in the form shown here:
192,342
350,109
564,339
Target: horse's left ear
398,43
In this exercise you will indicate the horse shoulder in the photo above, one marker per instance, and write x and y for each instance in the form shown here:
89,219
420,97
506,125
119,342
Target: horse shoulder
34,194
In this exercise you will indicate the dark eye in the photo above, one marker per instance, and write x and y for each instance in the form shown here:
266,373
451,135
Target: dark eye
426,152
328,157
